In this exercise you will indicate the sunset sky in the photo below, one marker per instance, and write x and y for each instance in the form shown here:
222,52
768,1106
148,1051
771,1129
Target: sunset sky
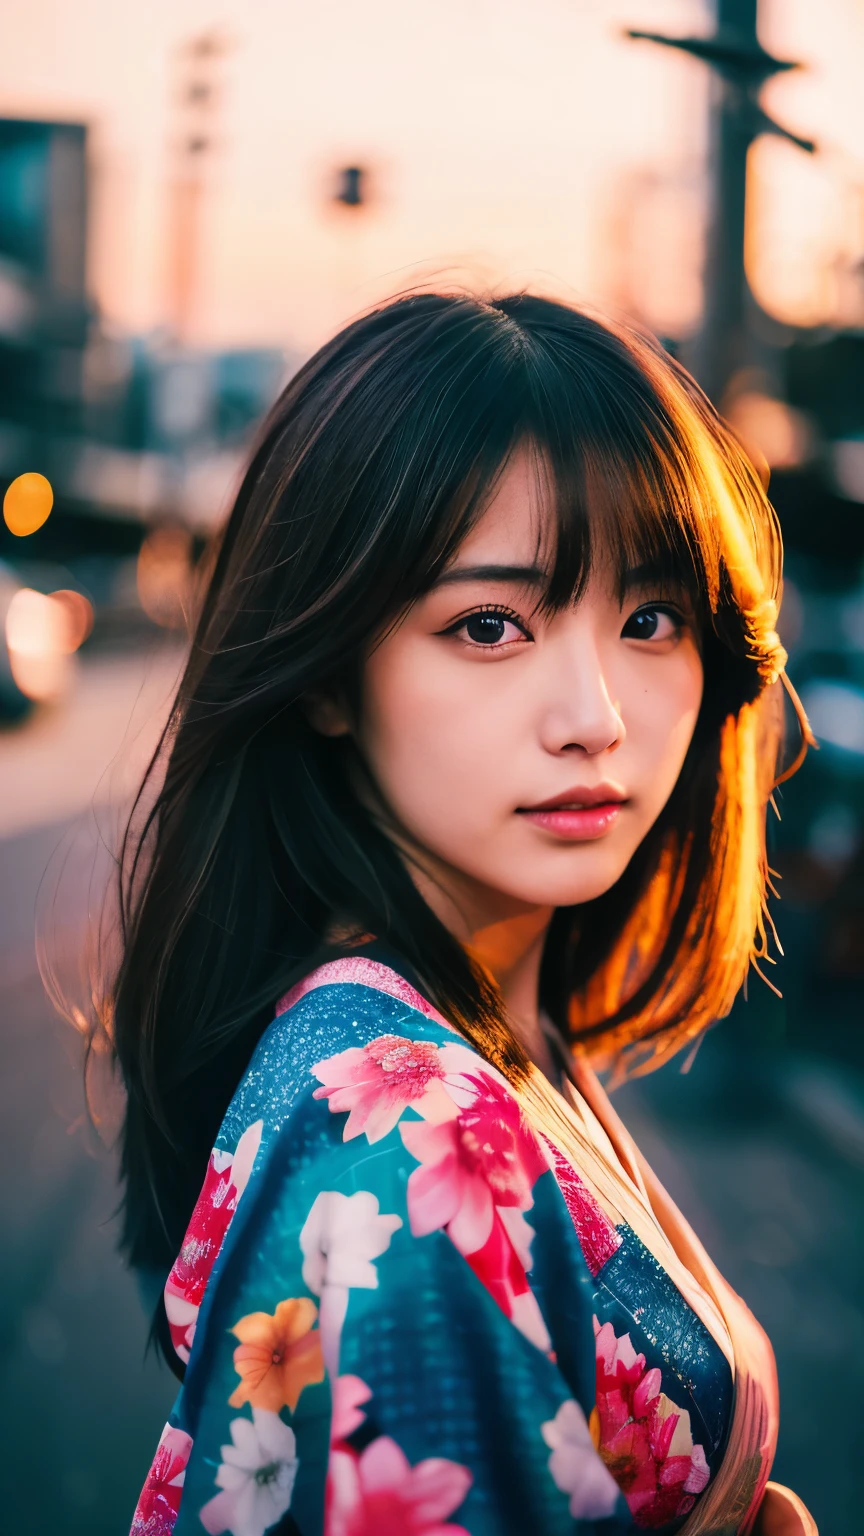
510,141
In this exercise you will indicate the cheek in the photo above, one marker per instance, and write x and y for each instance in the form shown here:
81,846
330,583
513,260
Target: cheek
419,735
661,718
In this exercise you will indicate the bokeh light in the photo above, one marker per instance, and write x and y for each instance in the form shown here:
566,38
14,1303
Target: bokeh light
79,616
836,713
42,632
165,576
770,429
27,503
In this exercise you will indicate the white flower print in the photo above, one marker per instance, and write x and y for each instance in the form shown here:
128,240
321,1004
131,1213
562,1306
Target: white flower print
340,1237
576,1466
256,1476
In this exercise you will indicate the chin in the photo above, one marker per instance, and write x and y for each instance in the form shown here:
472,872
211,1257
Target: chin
571,889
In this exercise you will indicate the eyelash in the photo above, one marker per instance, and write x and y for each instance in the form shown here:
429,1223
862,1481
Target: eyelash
495,610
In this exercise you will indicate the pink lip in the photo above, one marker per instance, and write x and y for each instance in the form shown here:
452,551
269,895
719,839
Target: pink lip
604,793
577,826
599,807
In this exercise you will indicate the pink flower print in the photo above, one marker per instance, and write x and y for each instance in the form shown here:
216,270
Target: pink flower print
376,1082
643,1437
477,1176
159,1504
348,1393
380,1494
501,1264
484,1158
226,1178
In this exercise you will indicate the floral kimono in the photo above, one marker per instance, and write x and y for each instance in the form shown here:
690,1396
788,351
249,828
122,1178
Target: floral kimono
413,1301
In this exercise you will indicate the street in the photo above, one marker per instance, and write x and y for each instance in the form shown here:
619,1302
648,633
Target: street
82,1408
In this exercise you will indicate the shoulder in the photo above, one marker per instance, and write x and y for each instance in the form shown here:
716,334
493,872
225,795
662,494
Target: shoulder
334,1072
353,1032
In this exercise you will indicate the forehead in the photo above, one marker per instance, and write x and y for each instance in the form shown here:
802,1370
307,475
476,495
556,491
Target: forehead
518,523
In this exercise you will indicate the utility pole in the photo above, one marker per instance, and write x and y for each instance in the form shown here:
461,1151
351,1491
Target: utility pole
197,106
741,67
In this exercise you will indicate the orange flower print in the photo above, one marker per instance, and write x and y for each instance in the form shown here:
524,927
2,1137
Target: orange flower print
277,1356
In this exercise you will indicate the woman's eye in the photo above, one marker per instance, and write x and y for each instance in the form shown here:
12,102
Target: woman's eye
653,623
489,629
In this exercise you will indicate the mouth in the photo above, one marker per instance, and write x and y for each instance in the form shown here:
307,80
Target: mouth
581,814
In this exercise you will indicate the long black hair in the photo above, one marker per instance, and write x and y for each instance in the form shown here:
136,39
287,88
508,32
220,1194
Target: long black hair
247,837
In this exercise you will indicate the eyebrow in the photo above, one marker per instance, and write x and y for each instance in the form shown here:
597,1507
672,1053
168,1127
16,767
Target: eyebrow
644,575
526,575
536,576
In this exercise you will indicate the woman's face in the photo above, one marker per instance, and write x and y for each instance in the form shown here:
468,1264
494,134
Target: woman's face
486,725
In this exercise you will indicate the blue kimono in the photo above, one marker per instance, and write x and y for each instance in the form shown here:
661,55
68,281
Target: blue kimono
402,1311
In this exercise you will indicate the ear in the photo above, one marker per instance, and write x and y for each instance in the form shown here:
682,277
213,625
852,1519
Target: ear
327,713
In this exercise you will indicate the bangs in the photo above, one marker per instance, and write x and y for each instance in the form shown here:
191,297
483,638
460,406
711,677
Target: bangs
620,485
638,479
624,517
636,474
623,459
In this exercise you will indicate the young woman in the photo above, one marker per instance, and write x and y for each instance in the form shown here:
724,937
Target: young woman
466,784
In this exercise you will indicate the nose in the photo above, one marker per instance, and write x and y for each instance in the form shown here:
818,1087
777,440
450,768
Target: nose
579,714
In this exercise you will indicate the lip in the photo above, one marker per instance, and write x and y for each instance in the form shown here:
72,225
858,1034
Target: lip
579,815
580,795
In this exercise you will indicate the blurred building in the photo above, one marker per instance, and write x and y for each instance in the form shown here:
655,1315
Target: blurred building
141,437
129,430
44,317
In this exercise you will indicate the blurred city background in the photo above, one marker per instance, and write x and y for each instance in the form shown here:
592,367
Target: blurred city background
191,201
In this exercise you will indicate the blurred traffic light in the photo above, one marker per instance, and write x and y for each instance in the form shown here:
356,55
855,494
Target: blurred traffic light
352,186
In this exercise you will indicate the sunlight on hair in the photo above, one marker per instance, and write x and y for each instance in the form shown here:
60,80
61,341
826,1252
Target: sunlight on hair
741,548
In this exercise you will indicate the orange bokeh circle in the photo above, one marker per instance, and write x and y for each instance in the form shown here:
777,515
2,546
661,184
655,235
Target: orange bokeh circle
27,503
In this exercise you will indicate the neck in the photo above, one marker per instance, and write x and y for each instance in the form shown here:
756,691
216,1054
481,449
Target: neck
511,950
506,938
503,934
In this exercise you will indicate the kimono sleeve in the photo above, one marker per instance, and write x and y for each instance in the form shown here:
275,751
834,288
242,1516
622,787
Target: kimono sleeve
370,1354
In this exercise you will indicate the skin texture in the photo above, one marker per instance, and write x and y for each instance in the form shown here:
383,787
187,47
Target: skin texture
460,737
